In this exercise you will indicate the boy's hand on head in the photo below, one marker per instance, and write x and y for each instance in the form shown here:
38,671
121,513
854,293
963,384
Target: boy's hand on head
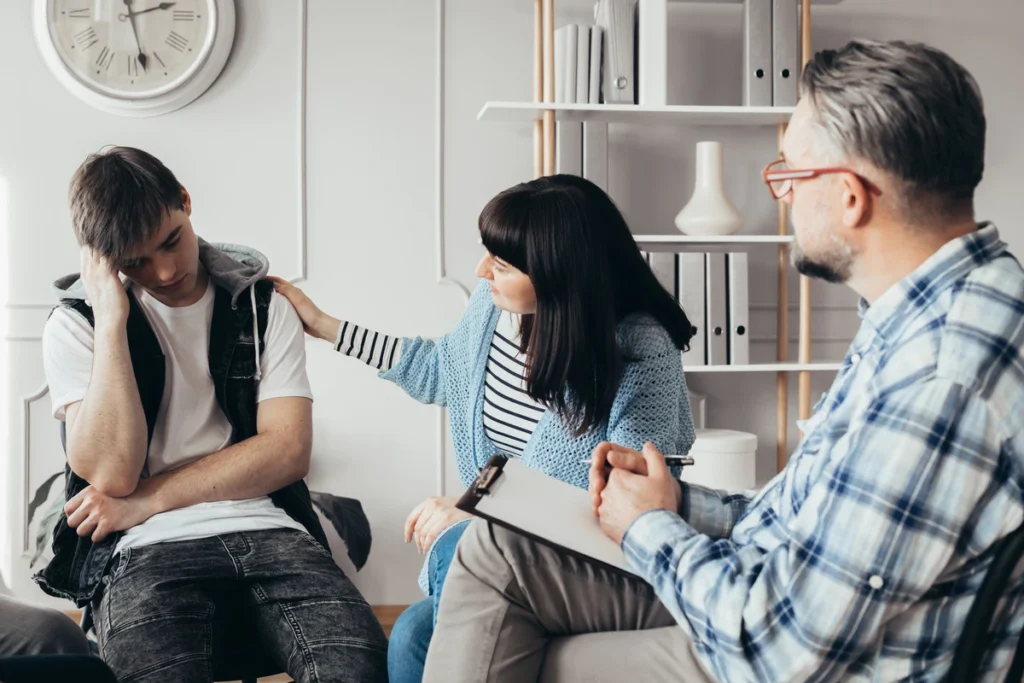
106,293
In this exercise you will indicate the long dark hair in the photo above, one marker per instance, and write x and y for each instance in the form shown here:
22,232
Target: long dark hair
567,235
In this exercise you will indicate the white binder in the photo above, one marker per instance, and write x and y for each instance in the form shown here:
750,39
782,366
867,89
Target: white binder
616,19
757,53
652,52
690,295
560,40
582,94
566,38
596,42
739,309
715,286
569,147
663,265
785,52
595,153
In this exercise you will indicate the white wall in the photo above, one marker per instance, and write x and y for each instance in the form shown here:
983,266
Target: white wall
369,247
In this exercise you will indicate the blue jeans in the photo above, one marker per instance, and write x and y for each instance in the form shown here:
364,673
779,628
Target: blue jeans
410,636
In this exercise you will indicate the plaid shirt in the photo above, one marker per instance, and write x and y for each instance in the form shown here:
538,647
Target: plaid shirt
860,560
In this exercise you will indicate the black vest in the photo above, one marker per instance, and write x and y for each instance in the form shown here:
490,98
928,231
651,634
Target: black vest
78,565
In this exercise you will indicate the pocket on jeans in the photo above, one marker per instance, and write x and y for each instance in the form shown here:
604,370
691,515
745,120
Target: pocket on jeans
315,544
120,563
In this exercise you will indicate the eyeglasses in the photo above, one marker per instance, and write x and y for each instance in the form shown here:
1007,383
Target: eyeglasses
779,179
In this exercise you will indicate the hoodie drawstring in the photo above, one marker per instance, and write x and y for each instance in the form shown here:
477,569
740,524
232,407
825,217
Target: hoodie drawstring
255,330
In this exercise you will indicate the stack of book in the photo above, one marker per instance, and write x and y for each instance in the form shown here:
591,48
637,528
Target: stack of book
578,64
713,290
595,64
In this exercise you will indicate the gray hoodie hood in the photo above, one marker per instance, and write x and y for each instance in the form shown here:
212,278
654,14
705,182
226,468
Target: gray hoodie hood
232,267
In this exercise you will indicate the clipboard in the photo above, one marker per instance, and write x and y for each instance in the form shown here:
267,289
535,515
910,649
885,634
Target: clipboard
542,508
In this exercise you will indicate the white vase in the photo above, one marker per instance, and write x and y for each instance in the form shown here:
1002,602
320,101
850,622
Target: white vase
709,212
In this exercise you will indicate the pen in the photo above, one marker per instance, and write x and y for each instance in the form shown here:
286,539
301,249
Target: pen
670,460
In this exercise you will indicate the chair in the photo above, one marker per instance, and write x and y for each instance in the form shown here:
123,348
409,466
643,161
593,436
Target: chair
237,652
974,641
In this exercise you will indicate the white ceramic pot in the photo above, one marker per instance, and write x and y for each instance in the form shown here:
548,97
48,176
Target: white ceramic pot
709,212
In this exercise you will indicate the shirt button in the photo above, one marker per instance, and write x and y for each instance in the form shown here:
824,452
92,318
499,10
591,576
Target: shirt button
876,582
854,359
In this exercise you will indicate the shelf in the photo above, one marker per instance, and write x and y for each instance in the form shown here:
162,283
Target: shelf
521,112
704,244
765,367
740,2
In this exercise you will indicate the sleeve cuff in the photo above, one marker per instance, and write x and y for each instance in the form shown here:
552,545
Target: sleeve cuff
285,393
704,510
650,538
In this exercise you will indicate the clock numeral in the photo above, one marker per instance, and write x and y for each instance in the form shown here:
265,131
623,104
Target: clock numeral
133,66
78,13
86,38
184,15
105,58
177,41
159,60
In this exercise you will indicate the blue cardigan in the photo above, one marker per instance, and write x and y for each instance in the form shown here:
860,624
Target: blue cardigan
652,403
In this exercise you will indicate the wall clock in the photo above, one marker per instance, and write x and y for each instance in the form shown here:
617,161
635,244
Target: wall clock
135,57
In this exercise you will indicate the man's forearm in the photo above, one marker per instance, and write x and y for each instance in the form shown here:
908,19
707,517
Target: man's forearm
107,439
249,469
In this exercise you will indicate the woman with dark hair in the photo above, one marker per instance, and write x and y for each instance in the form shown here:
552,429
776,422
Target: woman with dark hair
568,341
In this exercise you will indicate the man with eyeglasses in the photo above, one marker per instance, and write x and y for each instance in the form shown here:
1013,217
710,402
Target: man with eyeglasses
860,560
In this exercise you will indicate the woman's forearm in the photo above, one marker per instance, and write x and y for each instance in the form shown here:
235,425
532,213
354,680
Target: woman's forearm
380,351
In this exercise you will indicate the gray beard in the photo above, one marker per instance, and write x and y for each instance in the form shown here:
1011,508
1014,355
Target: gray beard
836,273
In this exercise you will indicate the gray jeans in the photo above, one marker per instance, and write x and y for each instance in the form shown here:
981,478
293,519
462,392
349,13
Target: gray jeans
516,610
30,630
155,619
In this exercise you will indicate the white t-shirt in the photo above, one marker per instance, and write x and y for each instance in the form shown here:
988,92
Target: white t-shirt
190,424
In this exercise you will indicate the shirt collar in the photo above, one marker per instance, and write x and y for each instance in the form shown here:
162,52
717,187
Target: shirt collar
899,305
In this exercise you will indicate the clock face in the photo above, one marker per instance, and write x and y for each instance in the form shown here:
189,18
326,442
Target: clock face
132,49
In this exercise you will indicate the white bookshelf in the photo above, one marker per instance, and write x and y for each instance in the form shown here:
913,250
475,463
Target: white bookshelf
542,113
738,2
681,243
688,115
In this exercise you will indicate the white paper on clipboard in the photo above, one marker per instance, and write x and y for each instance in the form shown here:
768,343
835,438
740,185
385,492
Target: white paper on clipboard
546,509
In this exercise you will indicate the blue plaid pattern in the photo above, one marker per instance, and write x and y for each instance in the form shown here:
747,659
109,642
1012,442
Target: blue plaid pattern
860,560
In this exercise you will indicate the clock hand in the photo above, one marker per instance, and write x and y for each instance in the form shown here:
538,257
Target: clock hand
135,30
162,5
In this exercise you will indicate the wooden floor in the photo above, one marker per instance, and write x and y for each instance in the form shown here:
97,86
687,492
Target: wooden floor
386,615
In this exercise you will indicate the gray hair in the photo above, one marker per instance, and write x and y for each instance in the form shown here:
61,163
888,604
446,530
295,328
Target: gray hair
908,109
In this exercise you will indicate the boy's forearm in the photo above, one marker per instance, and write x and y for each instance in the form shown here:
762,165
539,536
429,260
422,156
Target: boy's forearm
249,469
107,439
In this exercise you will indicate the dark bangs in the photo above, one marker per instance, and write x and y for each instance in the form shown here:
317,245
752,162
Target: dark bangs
503,228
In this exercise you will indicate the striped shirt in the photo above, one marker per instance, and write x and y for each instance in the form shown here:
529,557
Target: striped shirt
860,560
377,350
510,414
